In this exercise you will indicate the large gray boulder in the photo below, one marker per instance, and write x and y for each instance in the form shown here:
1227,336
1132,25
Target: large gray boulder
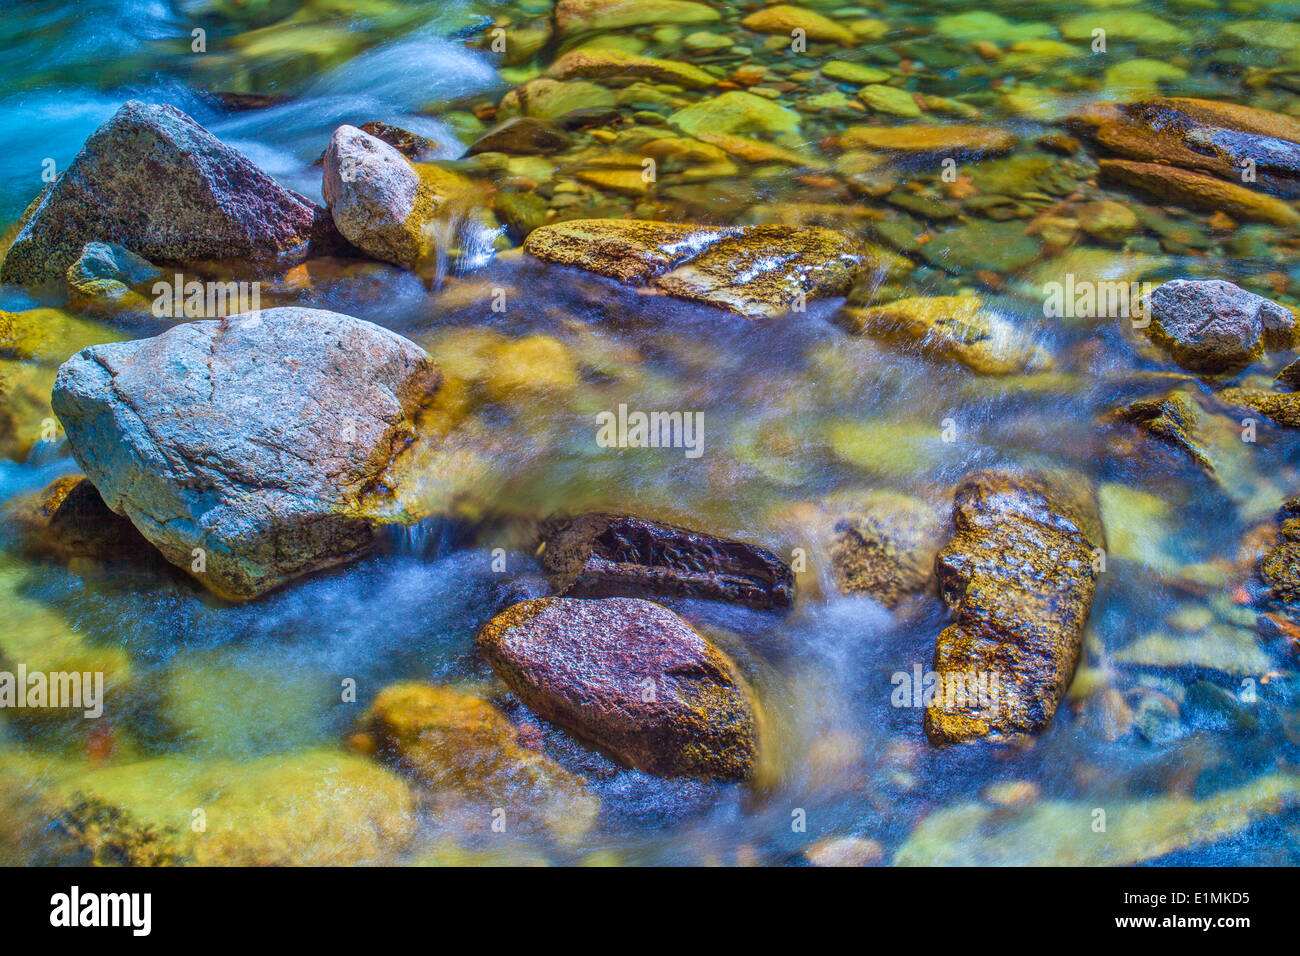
160,184
245,448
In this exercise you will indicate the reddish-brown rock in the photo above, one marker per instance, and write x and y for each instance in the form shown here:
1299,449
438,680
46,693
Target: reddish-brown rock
631,678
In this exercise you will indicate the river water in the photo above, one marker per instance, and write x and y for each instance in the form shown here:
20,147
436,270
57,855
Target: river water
1183,724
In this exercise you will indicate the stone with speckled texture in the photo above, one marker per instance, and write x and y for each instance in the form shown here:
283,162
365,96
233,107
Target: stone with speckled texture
633,679
256,438
161,185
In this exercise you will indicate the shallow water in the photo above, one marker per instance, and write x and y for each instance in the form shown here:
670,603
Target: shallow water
794,410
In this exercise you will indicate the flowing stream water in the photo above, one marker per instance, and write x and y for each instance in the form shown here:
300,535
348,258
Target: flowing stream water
1183,717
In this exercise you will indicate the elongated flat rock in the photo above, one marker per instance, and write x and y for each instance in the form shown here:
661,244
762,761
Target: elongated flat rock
631,678
1200,191
1019,574
244,449
754,271
600,555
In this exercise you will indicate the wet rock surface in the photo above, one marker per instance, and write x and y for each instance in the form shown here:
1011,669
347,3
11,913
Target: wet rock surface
1213,325
603,555
1200,191
253,440
1280,566
380,202
756,271
885,547
1019,575
68,519
468,757
158,183
106,277
1208,136
950,329
632,679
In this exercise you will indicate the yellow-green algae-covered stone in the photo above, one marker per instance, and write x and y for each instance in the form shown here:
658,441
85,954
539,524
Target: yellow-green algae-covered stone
951,328
1020,574
465,753
754,271
607,62
633,679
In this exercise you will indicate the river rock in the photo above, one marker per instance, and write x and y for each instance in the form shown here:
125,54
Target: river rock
1214,326
245,449
735,113
1019,575
603,555
467,756
1201,135
754,271
1170,419
1280,566
631,678
155,181
581,16
524,135
1280,407
885,547
1200,191
951,329
68,519
784,19
551,99
316,807
606,62
106,276
380,202
917,141
1137,831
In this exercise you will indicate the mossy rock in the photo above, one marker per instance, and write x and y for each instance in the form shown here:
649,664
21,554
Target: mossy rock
951,329
1060,833
317,807
466,757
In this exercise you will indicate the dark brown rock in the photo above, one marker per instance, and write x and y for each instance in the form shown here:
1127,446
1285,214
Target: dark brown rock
522,134
631,678
603,555
1019,573
68,519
